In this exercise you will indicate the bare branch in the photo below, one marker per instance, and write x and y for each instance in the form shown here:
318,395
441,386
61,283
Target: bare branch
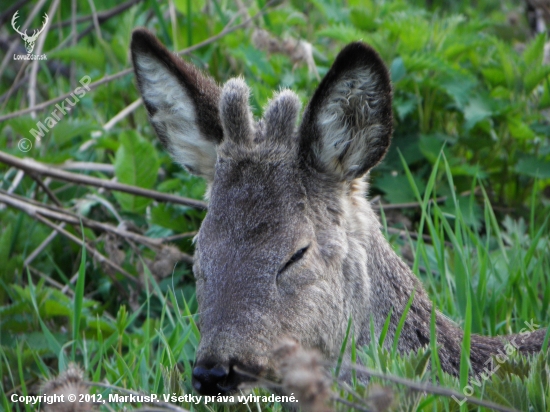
95,253
32,166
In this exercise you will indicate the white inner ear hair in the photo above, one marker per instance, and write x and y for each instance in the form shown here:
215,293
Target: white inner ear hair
349,122
175,117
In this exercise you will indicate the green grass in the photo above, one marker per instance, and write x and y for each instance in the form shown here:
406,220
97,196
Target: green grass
471,147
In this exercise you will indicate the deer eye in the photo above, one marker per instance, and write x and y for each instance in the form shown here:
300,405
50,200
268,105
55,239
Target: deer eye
295,257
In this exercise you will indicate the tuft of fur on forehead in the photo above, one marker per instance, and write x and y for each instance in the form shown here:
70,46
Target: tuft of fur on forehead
280,117
273,138
236,116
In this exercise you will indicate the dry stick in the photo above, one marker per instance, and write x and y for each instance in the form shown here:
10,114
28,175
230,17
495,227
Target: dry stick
32,166
409,205
95,20
17,83
72,74
48,279
179,236
95,167
47,190
41,247
124,72
350,404
64,216
38,213
95,253
34,65
122,114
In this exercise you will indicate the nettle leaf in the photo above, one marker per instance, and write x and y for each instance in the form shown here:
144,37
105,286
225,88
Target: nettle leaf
459,88
531,165
21,126
397,187
537,382
136,164
495,76
404,104
534,77
397,70
363,19
342,32
534,52
478,109
67,129
519,129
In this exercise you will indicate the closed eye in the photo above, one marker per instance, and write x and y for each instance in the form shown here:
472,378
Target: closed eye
295,257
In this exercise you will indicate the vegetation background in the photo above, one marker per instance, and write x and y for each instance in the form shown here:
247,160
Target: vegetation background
464,193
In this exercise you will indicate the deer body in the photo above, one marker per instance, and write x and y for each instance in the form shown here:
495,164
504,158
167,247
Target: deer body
290,245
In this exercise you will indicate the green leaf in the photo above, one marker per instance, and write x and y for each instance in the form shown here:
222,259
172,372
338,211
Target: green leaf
397,187
363,19
533,166
519,129
534,77
397,69
478,109
92,58
136,163
341,32
494,76
534,52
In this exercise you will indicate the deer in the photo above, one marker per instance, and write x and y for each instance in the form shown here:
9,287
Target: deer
29,40
290,245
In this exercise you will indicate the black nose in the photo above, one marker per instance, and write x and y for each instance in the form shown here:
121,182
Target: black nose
213,381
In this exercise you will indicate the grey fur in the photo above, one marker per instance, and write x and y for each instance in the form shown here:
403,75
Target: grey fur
276,190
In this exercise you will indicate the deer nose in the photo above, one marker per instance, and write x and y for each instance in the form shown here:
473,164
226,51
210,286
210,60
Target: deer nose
213,381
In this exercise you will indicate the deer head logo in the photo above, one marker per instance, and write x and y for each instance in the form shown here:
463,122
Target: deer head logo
29,40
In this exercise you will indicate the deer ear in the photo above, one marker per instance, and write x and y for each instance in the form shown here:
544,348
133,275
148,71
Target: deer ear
347,125
182,104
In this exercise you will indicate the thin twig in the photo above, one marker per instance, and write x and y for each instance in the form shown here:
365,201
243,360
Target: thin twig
41,247
67,217
95,20
91,166
109,78
49,279
95,253
32,166
122,114
34,65
46,189
179,236
350,404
